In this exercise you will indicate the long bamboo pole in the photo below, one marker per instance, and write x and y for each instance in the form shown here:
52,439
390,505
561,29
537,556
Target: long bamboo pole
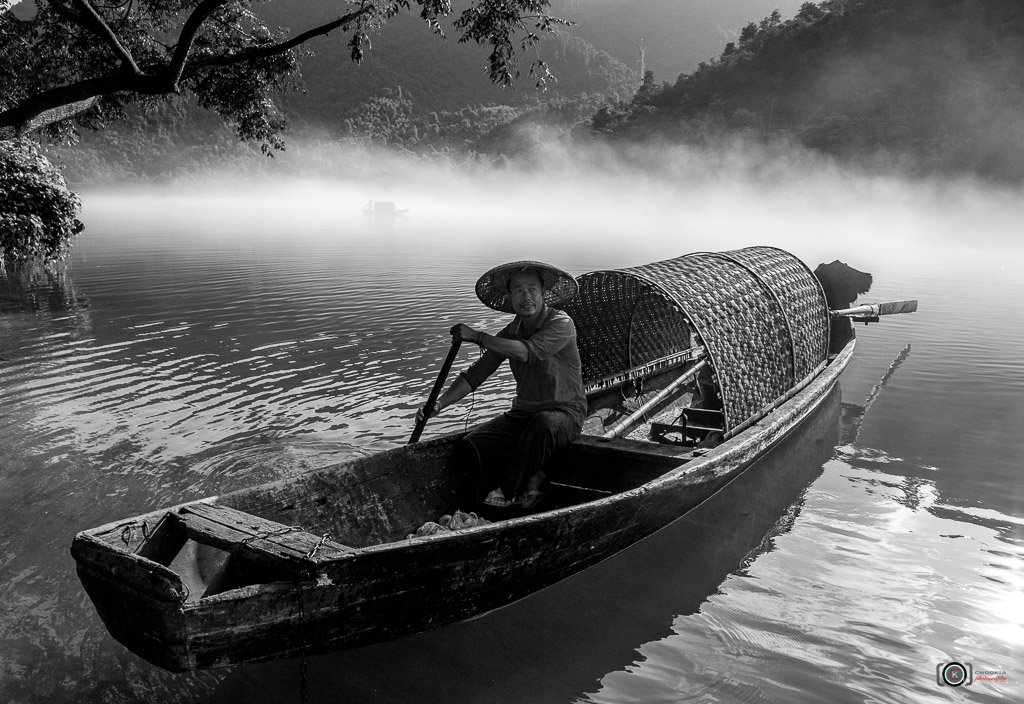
658,398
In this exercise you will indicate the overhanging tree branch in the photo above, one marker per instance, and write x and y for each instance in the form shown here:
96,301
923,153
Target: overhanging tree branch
155,81
187,38
66,12
96,24
274,49
24,116
70,31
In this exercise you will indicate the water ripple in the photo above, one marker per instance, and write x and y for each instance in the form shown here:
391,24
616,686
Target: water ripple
195,347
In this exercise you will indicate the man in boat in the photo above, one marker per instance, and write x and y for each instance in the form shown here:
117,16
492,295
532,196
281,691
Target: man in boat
549,406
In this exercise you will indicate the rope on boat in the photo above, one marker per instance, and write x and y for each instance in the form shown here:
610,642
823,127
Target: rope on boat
449,522
319,544
128,533
303,666
270,534
263,536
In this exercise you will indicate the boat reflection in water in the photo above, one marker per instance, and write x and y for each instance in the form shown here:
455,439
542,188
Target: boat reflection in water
557,644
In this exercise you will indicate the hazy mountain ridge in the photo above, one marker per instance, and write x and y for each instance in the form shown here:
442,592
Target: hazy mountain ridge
599,53
442,74
923,85
933,84
676,34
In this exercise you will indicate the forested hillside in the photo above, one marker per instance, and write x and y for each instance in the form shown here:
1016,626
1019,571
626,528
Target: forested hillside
443,74
676,34
598,54
419,93
921,85
930,85
412,91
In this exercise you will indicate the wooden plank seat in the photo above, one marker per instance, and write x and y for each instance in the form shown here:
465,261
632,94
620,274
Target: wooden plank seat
286,550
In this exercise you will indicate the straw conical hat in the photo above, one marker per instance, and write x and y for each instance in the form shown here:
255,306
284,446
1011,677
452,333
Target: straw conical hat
492,288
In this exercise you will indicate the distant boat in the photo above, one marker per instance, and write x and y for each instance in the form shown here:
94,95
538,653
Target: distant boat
383,209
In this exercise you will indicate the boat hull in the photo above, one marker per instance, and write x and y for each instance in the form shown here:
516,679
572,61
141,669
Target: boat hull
380,592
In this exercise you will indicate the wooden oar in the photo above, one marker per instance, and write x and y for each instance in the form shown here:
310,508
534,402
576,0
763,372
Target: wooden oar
876,309
436,391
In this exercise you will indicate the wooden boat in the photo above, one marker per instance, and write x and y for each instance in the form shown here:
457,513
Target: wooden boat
383,209
694,367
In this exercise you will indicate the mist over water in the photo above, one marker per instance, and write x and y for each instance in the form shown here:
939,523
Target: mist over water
210,335
952,244
623,197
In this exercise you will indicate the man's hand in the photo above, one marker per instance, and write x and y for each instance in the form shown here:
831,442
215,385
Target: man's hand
422,416
464,333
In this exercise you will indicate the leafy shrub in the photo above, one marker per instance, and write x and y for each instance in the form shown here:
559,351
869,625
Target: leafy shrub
38,214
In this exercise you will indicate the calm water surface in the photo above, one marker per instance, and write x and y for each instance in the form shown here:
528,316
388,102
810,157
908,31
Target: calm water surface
198,344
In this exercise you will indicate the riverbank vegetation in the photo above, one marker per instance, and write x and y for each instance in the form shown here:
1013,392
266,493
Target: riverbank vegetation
38,214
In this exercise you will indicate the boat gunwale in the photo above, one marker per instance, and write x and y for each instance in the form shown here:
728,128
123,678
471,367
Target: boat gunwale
687,466
825,378
795,409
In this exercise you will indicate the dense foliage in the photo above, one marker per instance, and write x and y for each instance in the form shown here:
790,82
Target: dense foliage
38,215
79,62
928,84
412,93
443,75
394,120
180,144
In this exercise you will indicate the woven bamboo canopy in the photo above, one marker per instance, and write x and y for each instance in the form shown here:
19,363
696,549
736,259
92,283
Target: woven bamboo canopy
758,314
